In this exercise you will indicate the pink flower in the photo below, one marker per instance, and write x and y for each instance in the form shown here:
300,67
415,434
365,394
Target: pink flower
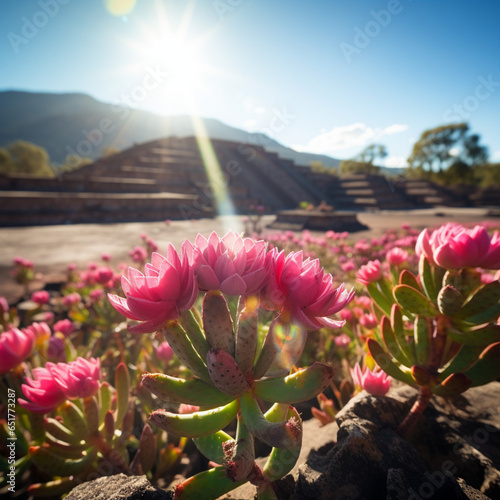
41,297
453,246
368,321
167,288
369,273
231,264
164,352
301,288
396,256
41,331
56,349
42,392
15,346
64,326
376,384
106,257
96,295
343,340
72,299
138,254
103,275
77,379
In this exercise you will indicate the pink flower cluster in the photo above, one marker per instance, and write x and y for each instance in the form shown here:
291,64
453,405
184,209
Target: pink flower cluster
453,246
375,383
57,382
298,288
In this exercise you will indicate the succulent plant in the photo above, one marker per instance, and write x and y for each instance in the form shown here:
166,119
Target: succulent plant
230,383
438,331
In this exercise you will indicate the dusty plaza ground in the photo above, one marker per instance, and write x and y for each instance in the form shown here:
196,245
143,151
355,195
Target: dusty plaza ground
52,248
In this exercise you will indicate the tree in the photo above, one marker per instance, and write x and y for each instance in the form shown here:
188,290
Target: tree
440,147
26,158
358,167
371,153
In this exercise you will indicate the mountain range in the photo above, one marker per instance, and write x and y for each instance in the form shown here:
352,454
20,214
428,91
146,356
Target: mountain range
75,123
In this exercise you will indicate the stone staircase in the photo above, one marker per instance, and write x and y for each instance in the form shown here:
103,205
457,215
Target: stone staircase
423,193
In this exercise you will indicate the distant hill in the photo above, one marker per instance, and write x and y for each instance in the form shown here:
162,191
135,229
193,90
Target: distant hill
61,123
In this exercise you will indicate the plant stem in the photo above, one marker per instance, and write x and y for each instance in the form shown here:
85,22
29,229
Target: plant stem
407,426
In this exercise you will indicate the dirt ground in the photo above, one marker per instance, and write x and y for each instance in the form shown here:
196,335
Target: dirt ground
52,248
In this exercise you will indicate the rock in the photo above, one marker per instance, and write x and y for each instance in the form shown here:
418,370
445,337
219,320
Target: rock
371,461
118,487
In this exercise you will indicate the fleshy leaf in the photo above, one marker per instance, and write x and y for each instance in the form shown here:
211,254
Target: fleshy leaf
412,300
422,336
176,390
387,364
481,336
299,386
200,423
487,368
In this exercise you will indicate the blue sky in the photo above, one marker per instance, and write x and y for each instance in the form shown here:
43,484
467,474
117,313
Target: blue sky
323,76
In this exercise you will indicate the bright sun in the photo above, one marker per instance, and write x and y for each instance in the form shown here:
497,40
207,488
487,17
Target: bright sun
176,56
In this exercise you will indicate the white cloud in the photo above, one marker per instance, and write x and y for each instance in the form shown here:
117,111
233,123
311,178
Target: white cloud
495,156
250,125
396,128
395,161
454,151
259,110
348,136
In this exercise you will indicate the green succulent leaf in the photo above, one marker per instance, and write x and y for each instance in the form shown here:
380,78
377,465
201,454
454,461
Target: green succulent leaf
193,391
211,446
482,300
382,301
206,485
487,368
454,385
392,344
275,434
217,322
397,325
246,340
408,278
74,419
180,343
449,300
412,300
481,336
195,333
282,460
61,432
464,359
266,356
300,386
422,334
122,384
55,465
427,279
53,489
200,423
387,364
240,462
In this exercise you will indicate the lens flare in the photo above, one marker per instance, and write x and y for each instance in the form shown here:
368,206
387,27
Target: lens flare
290,341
